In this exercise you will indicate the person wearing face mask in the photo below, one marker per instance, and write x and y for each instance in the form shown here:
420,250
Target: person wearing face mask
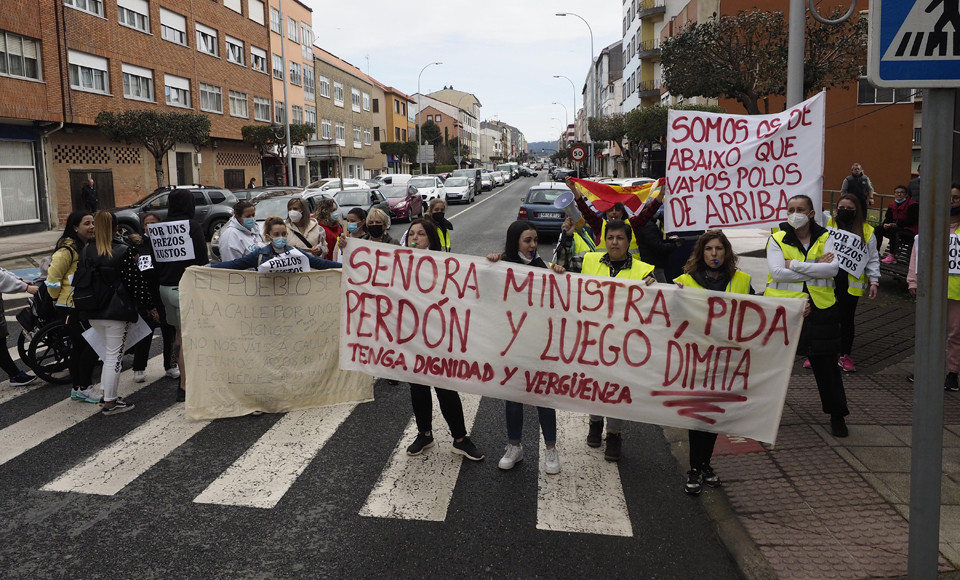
356,223
377,223
900,224
712,266
303,230
422,235
618,211
521,248
951,382
800,266
240,235
328,216
275,233
436,211
849,289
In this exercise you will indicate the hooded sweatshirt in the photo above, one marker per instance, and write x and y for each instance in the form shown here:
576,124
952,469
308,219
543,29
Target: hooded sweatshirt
237,241
182,207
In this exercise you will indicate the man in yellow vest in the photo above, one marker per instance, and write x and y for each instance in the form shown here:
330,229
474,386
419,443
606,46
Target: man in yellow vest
616,262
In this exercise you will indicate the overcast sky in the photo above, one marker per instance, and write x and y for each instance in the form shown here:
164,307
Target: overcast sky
503,51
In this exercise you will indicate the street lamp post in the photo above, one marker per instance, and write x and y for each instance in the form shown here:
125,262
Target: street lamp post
286,101
565,117
419,136
574,88
594,98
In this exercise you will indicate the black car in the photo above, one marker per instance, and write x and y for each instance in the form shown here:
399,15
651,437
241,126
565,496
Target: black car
527,172
214,208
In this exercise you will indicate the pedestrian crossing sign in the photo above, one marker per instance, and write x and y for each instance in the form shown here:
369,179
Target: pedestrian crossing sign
914,43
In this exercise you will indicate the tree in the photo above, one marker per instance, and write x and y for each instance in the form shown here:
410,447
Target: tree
643,127
267,139
405,149
608,128
464,147
431,133
744,57
157,132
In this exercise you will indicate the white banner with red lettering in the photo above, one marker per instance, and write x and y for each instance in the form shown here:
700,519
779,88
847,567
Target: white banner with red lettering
726,171
655,354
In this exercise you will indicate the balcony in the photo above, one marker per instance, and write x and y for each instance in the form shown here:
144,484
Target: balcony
649,89
650,8
648,48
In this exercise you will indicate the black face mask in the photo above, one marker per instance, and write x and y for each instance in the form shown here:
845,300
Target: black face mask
955,210
846,216
375,230
438,217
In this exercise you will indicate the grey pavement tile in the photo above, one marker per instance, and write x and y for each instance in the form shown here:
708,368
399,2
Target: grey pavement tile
747,466
864,436
764,496
951,552
829,560
788,527
951,459
950,523
806,462
797,437
851,460
867,525
836,490
899,484
890,491
883,459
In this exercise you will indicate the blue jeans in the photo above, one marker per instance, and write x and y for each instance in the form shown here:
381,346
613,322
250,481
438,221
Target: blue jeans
548,423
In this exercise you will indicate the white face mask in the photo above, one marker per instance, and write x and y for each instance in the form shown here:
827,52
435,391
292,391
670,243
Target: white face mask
798,220
294,216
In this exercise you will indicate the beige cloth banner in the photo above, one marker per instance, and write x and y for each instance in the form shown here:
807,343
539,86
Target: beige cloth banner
263,342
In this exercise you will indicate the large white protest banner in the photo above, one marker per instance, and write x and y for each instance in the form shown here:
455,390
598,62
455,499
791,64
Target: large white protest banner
849,249
171,241
263,342
657,354
728,171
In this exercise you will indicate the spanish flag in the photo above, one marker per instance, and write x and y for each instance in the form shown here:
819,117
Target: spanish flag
603,196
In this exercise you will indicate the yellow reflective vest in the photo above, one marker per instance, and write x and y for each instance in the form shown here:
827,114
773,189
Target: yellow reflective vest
739,284
820,290
857,286
638,269
444,239
953,282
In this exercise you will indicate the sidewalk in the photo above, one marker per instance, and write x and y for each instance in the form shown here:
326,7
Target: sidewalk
19,253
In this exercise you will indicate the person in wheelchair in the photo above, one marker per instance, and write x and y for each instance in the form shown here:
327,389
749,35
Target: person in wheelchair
11,283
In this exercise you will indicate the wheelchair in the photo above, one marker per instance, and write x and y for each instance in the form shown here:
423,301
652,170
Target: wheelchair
44,343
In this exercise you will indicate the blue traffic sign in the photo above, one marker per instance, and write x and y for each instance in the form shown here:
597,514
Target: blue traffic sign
914,43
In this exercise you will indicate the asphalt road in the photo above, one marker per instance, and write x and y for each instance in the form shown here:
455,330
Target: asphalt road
148,514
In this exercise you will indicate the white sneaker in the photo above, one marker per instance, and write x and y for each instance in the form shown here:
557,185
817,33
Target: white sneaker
139,376
512,456
89,395
551,461
173,373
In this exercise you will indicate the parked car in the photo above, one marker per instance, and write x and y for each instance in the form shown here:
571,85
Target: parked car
459,189
405,201
394,178
333,184
473,174
537,207
486,181
527,172
365,199
269,204
561,173
498,178
214,208
429,187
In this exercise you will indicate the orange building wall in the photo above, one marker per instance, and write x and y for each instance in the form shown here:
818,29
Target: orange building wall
29,99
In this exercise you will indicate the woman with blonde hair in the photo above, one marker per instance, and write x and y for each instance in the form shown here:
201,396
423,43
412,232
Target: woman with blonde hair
378,222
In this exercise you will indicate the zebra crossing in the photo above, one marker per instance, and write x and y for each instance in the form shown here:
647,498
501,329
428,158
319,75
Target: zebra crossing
586,497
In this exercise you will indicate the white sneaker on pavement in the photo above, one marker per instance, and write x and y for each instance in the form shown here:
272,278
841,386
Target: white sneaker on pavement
551,461
511,456
139,376
173,373
89,395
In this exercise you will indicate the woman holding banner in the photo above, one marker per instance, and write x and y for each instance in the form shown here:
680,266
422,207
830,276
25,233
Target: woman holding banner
422,234
521,248
305,231
801,267
849,288
240,235
712,266
278,255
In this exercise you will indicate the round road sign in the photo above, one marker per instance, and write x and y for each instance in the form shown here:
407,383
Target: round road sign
578,153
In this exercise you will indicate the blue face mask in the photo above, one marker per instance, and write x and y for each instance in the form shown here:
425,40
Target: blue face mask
352,227
335,216
249,223
279,243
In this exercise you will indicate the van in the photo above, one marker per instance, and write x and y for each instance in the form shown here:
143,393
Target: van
473,175
394,178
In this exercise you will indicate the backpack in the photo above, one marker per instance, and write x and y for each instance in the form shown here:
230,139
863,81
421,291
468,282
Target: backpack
90,292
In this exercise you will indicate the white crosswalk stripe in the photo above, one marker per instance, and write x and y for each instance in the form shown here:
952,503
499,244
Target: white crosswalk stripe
421,487
586,496
127,458
262,475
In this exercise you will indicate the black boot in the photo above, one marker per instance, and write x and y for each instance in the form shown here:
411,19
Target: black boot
838,427
595,436
950,383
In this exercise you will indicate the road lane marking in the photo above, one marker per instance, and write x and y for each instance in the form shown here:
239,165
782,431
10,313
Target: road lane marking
264,473
482,201
55,419
117,465
586,497
421,487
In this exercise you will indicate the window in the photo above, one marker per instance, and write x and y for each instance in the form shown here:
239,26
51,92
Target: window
376,105
238,105
437,119
211,98
366,136
867,94
296,114
355,99
19,56
233,5
296,77
255,10
206,40
293,30
137,82
134,13
261,109
326,129
310,118
309,85
177,90
91,6
396,106
258,59
18,183
173,27
341,133
279,111
396,133
429,117
356,136
403,134
403,108
277,67
306,40
366,102
337,94
323,86
234,50
88,72
376,133
275,21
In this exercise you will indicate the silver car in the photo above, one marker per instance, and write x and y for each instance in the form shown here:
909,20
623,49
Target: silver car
458,190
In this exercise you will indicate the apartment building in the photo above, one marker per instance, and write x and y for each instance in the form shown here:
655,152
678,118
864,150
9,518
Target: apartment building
643,22
468,114
400,125
68,60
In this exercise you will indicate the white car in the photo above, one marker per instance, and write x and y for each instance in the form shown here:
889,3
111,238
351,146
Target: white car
330,184
429,187
498,179
458,189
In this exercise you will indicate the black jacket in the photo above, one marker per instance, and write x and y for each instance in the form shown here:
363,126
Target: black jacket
182,208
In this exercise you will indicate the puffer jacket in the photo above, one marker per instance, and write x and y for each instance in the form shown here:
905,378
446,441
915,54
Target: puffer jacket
237,241
63,265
